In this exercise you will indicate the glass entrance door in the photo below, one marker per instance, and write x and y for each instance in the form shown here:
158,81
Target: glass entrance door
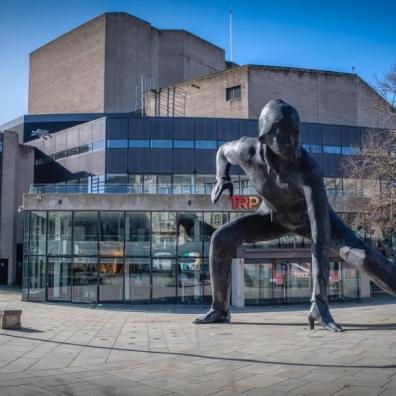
279,282
59,279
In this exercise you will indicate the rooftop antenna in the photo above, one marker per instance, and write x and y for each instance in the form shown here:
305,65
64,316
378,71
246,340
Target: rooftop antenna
231,51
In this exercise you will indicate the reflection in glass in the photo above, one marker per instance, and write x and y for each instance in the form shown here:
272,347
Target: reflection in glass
279,277
85,280
350,282
334,287
85,233
163,234
190,279
137,237
37,278
26,228
258,283
59,279
111,279
111,234
59,233
207,287
299,281
25,278
164,280
190,234
137,280
38,229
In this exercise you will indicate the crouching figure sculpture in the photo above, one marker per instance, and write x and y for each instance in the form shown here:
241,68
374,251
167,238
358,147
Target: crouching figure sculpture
293,200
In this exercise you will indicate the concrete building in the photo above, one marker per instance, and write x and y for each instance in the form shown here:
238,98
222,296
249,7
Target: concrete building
240,92
106,64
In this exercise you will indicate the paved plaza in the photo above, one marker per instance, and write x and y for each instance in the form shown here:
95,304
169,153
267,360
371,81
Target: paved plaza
157,350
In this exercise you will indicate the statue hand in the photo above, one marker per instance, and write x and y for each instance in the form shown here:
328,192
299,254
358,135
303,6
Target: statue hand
221,185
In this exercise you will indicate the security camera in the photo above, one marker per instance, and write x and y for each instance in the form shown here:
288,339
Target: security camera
39,197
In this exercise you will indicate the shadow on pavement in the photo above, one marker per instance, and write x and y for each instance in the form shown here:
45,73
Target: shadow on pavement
211,357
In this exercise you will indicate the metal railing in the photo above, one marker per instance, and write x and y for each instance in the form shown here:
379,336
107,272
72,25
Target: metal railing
105,188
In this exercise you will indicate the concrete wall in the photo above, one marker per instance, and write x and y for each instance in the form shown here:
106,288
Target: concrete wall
325,97
204,97
97,67
67,74
319,97
131,51
184,56
17,176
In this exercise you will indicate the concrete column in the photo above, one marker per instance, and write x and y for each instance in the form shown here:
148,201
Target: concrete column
364,285
238,283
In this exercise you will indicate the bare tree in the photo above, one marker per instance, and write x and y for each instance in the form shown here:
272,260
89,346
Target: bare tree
372,170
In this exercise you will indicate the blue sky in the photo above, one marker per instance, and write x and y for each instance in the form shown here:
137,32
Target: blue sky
336,35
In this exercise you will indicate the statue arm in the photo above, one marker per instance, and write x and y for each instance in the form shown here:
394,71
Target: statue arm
228,154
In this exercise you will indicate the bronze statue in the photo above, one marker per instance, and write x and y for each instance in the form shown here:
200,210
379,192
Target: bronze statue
293,200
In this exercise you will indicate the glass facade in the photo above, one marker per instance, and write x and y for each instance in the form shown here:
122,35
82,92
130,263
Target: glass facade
153,257
290,281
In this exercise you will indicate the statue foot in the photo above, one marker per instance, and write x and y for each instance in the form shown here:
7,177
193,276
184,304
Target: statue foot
214,316
321,313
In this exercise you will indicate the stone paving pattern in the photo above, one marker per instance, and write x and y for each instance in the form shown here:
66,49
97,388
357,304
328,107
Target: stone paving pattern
154,350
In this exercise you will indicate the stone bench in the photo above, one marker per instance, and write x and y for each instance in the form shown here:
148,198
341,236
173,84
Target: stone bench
10,318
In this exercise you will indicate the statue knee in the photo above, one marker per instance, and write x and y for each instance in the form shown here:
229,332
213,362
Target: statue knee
222,242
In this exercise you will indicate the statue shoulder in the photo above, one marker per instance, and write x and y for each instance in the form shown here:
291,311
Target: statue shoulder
308,164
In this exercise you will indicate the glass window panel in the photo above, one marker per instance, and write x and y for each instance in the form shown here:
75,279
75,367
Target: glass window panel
72,151
86,148
291,241
137,280
190,268
137,237
163,234
334,287
111,279
279,281
333,186
37,278
164,184
190,234
38,229
183,144
85,233
136,184
161,143
212,221
221,142
59,279
350,150
150,184
204,183
183,184
139,143
206,144
85,280
207,287
164,280
59,233
25,278
332,149
350,282
117,143
313,148
299,281
111,241
259,282
98,145
26,229
116,178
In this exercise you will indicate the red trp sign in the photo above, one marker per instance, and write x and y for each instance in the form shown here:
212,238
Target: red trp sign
241,202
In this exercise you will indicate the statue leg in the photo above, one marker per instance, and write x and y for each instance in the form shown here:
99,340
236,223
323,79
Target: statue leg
224,243
362,256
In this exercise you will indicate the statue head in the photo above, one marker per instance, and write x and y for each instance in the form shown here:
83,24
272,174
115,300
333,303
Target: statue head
279,129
